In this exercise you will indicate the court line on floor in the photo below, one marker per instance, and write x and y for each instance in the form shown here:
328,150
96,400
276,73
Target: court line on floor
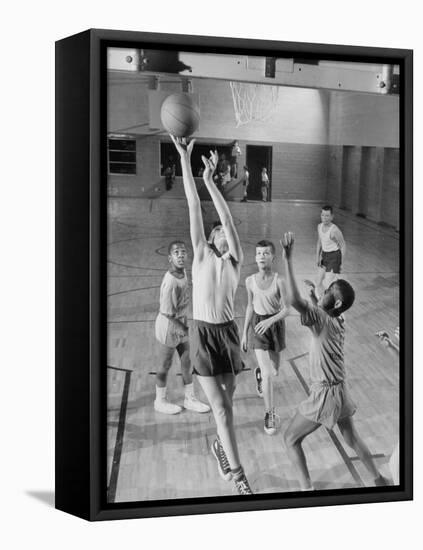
117,454
338,445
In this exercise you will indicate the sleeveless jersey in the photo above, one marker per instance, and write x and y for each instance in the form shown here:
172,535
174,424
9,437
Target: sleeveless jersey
265,302
174,295
328,245
214,282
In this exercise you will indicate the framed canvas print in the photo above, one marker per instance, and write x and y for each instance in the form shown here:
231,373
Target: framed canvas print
234,271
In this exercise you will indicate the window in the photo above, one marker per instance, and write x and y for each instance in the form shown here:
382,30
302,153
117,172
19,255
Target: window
122,156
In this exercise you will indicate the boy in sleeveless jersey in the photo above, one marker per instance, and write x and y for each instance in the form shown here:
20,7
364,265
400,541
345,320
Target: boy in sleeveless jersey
330,252
266,311
215,342
329,402
172,333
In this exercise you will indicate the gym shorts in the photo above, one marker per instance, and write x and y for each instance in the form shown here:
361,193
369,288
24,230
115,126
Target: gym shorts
215,348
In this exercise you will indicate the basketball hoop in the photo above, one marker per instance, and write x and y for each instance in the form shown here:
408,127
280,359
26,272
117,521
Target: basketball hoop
253,101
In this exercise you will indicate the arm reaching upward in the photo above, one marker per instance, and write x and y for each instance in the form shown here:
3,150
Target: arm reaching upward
198,237
297,301
222,209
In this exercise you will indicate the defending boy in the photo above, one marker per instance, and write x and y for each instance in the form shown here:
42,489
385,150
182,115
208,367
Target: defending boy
329,402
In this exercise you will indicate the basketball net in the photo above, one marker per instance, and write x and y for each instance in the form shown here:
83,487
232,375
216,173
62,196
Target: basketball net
253,101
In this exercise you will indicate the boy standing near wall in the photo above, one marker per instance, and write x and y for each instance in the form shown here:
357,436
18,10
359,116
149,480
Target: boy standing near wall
330,251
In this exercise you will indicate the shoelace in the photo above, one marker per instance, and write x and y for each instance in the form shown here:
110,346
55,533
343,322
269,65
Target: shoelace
273,420
259,383
223,458
243,487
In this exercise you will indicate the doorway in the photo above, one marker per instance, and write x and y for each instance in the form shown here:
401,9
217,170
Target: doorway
258,157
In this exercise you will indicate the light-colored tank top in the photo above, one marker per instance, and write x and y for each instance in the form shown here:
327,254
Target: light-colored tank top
174,295
265,302
328,245
214,282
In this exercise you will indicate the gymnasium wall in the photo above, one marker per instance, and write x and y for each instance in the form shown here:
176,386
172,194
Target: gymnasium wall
298,131
299,172
363,157
341,148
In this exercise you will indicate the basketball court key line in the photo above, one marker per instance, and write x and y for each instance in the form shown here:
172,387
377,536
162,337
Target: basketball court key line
347,460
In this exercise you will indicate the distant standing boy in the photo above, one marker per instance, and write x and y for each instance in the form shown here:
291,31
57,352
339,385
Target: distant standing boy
266,311
265,184
329,402
245,183
172,333
330,251
235,153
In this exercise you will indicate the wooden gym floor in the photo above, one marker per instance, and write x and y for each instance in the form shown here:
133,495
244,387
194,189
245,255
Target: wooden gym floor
154,456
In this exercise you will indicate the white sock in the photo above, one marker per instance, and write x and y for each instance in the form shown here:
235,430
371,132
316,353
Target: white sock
189,391
160,393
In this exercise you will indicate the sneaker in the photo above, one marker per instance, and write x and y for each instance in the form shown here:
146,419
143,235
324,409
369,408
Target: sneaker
271,422
222,460
259,381
163,406
193,404
242,485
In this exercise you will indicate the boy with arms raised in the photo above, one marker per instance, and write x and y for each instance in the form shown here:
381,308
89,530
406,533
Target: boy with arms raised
329,402
215,341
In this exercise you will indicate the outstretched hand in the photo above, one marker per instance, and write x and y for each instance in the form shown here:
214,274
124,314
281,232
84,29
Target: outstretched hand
384,338
210,165
287,243
182,146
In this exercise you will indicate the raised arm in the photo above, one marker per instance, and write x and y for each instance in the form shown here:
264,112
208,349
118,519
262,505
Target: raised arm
297,301
198,237
222,208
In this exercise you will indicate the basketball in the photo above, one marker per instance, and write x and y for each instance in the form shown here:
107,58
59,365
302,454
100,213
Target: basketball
180,115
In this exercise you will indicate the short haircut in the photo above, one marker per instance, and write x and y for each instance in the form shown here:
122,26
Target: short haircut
328,207
172,244
346,294
264,243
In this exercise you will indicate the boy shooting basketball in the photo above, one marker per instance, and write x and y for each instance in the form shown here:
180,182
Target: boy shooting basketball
266,311
329,402
215,341
172,333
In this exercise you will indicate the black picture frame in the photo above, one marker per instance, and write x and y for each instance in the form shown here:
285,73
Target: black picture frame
81,335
